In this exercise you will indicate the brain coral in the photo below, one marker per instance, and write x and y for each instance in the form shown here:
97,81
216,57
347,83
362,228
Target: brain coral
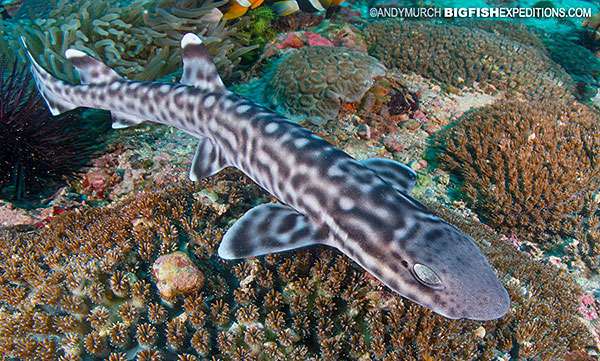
313,81
526,167
460,56
81,288
509,29
139,39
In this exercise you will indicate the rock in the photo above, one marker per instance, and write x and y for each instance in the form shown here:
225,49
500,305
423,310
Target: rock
412,124
363,131
176,274
480,332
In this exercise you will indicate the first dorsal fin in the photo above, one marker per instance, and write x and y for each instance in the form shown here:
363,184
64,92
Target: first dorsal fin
198,68
91,71
398,175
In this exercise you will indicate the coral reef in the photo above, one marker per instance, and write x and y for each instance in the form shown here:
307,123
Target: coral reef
592,25
587,233
526,168
580,62
140,40
40,151
518,32
81,288
459,56
313,81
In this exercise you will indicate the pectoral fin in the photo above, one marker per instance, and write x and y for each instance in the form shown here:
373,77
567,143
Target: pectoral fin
398,175
270,228
207,161
121,120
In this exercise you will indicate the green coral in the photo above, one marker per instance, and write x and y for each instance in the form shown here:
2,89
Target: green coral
256,29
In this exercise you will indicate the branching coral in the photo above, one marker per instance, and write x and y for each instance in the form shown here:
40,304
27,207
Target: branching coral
81,288
313,81
526,168
39,151
139,40
460,56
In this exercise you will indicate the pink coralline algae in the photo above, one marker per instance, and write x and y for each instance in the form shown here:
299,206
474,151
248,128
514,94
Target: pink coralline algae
587,307
298,40
313,39
292,40
176,274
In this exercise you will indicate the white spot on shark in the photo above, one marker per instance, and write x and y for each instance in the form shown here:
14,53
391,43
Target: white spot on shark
346,203
300,142
271,127
209,101
242,109
190,38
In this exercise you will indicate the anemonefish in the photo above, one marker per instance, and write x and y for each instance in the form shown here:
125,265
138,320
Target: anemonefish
288,7
238,8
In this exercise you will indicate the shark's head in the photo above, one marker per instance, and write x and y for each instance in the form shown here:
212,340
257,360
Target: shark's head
441,268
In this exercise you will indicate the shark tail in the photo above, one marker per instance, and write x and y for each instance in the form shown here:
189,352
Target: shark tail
49,87
57,93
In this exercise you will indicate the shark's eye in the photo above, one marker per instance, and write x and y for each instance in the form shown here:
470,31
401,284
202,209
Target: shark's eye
426,275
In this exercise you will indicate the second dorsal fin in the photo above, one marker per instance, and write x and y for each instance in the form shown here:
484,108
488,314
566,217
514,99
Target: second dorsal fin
91,71
198,67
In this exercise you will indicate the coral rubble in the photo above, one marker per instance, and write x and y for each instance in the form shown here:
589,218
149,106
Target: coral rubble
526,167
313,81
460,56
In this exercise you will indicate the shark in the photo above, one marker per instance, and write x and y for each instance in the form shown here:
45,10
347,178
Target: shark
363,208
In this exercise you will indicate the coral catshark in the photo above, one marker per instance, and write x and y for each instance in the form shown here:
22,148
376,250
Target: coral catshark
362,208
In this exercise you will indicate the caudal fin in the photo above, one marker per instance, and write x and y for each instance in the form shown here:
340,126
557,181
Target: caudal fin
51,88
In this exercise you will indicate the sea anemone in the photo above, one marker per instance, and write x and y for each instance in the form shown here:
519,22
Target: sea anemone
39,151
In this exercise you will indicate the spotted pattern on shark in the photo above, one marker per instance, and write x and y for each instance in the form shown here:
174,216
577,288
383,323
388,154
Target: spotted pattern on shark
362,208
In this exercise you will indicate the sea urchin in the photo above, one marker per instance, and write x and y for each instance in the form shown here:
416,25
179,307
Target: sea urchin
39,151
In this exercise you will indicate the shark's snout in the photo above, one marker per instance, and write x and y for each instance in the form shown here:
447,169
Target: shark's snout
484,304
454,277
476,293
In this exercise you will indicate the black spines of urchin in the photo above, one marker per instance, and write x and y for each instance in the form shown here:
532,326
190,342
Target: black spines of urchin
39,152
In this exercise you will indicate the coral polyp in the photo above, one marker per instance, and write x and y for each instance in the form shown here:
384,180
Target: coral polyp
39,151
66,297
526,167
461,56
